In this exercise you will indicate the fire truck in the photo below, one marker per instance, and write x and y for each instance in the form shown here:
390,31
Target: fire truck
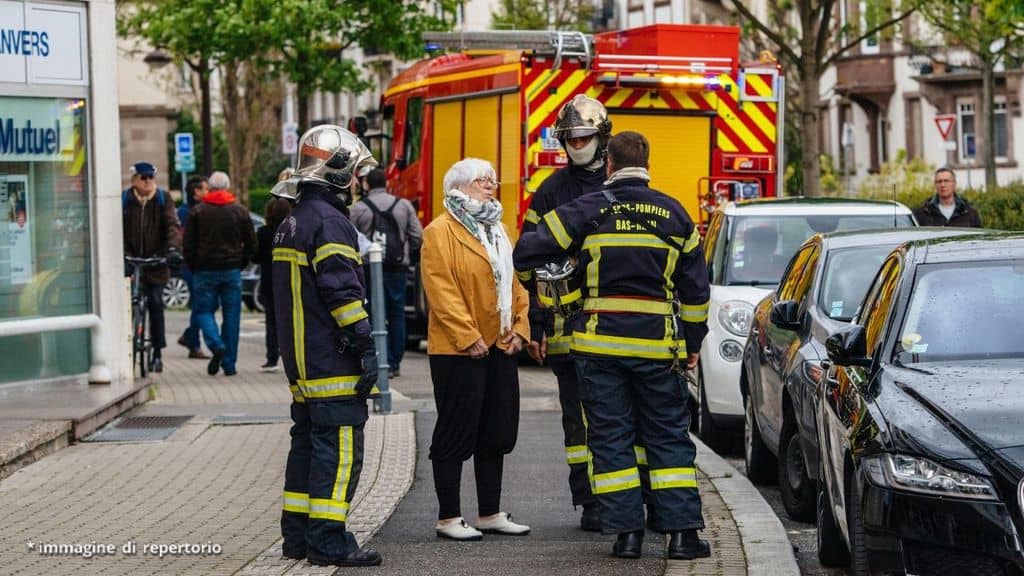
715,124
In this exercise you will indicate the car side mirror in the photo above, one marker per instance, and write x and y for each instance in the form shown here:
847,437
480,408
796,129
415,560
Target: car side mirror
848,347
786,315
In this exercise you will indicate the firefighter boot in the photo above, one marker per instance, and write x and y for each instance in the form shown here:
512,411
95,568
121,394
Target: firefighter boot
629,544
590,520
685,545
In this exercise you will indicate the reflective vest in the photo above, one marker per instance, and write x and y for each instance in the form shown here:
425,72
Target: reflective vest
643,297
318,290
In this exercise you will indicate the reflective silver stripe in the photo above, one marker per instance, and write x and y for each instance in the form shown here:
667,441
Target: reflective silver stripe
663,478
694,312
576,454
296,502
616,481
328,509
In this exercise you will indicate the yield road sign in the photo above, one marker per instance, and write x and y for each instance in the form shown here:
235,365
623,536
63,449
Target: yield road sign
183,145
945,124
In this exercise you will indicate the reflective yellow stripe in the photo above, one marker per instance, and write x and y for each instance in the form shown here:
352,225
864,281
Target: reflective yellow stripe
616,481
545,301
344,474
641,455
559,345
296,502
577,454
572,296
331,387
525,275
298,320
290,255
349,313
603,345
531,216
663,478
694,312
296,393
332,249
557,230
637,305
323,509
671,258
692,242
623,241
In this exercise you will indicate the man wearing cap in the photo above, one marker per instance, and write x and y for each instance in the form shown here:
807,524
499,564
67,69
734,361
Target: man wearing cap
151,229
219,243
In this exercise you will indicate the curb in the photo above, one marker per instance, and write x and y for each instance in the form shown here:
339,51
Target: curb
765,543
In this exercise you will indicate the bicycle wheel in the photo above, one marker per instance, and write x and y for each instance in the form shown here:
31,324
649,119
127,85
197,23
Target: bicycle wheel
139,340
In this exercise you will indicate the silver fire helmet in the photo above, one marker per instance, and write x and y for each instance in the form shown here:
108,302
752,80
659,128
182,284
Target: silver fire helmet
331,155
555,288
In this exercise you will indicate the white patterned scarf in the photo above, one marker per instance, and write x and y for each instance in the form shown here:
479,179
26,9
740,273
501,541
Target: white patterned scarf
483,220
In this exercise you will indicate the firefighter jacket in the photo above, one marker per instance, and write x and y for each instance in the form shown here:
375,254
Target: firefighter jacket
643,297
560,188
318,292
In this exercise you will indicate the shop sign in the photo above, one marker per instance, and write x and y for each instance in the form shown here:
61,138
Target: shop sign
35,130
43,43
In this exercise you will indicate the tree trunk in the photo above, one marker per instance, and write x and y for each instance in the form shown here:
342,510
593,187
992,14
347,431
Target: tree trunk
205,121
987,112
302,103
810,163
248,115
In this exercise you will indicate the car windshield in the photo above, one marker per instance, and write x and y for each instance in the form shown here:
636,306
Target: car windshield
964,311
761,246
848,273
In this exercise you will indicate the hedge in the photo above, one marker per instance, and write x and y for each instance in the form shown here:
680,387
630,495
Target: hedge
258,197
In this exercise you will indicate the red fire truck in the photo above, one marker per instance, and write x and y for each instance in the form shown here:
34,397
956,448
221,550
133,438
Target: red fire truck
714,123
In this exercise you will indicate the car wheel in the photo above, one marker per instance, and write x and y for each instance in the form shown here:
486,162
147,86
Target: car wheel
717,439
759,460
798,490
855,528
832,550
176,294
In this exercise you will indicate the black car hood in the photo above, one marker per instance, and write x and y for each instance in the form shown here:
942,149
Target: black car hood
981,399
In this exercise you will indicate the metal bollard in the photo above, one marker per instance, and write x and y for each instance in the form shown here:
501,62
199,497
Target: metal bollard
378,319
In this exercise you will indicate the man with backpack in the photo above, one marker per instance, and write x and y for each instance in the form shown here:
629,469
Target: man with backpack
151,229
391,222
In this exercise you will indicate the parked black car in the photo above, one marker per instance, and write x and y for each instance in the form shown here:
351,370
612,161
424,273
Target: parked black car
819,293
919,428
176,294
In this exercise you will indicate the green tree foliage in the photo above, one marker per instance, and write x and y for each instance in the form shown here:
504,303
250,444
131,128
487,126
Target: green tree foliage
544,15
992,31
809,40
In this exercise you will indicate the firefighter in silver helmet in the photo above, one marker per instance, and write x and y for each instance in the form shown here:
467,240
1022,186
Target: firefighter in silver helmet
583,128
328,353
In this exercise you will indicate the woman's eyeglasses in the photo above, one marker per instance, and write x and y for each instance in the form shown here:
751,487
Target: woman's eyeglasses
487,182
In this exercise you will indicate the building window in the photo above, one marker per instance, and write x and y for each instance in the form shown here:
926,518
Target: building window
847,160
45,268
1002,130
966,132
413,130
869,12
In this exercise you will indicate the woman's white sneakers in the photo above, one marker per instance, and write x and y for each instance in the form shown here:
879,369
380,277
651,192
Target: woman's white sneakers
458,530
503,524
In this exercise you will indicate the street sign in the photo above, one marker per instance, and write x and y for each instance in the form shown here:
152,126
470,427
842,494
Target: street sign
945,124
949,145
969,146
185,163
289,138
183,145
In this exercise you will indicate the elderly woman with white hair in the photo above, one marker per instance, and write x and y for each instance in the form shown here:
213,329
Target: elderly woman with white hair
477,326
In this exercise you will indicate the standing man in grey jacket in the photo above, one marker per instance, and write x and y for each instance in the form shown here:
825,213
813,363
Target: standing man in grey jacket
392,222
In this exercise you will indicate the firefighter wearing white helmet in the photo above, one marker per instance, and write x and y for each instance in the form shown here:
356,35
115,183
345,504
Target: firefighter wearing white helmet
583,128
328,353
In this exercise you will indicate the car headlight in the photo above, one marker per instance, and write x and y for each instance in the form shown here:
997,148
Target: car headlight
917,474
735,316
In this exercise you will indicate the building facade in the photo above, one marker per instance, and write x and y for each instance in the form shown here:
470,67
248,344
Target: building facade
63,309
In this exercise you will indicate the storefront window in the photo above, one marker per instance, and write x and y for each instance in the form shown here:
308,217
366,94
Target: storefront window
44,231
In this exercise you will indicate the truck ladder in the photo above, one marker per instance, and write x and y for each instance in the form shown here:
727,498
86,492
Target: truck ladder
559,43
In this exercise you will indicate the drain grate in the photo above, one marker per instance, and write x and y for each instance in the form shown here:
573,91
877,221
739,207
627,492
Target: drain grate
140,429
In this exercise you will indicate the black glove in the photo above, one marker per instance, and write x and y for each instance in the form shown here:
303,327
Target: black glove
174,259
368,379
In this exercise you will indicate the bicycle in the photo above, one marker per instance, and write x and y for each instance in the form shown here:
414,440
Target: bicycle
142,347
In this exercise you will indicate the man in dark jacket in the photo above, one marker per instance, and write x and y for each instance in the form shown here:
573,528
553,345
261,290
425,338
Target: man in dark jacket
151,229
946,207
219,243
195,189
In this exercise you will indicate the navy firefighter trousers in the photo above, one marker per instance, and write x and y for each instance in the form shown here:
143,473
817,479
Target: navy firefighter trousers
631,402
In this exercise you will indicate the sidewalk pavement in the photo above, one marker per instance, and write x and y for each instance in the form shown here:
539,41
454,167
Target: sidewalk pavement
215,483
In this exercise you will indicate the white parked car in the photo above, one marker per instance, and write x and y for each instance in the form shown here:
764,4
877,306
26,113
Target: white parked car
747,247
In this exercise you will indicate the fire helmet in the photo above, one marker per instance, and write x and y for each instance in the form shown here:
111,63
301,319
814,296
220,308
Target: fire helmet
330,155
580,117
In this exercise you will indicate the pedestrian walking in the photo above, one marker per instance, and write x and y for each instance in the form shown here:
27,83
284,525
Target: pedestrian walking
151,229
275,213
195,189
477,325
326,346
583,129
946,207
391,222
639,330
219,243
